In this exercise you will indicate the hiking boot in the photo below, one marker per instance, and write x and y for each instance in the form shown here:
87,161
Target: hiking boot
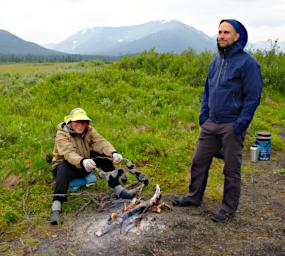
222,216
75,184
90,179
183,201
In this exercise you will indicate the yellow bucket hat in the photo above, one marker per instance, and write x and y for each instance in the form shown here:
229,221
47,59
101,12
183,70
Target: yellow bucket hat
77,114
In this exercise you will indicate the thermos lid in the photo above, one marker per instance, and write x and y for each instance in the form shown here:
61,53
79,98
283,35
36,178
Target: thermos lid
264,134
263,138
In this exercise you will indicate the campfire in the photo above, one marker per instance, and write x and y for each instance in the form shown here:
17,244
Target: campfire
132,213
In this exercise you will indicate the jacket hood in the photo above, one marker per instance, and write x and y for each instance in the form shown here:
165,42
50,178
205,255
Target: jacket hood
239,27
66,128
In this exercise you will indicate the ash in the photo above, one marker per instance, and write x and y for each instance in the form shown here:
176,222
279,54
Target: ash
131,232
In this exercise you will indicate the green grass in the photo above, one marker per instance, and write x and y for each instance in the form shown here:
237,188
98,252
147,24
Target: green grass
148,111
27,68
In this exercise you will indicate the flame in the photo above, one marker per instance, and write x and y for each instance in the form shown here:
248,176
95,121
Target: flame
113,215
131,206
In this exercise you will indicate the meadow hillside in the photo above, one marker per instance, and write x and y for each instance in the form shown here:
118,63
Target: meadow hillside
147,106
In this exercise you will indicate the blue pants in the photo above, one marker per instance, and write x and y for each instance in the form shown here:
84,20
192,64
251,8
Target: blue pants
65,172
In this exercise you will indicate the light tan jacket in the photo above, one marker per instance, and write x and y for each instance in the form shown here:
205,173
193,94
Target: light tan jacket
74,148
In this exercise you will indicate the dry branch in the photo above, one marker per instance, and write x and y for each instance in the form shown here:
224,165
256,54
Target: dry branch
132,213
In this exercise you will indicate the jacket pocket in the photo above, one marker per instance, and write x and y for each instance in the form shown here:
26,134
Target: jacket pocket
236,102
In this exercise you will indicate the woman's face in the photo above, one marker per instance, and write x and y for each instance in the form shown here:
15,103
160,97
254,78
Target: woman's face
79,126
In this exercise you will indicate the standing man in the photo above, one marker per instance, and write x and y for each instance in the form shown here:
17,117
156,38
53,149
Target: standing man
231,95
76,143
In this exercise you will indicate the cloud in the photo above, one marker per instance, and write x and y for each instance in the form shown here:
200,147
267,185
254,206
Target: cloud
76,1
267,22
54,20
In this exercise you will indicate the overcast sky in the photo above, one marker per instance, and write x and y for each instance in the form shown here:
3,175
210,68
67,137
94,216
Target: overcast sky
44,21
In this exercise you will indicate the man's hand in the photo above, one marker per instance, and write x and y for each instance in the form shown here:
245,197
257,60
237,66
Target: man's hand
117,158
89,165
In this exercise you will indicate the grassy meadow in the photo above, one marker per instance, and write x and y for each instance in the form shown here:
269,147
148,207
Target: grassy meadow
147,106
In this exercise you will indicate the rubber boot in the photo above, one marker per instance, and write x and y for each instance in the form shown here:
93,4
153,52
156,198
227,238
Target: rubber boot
55,212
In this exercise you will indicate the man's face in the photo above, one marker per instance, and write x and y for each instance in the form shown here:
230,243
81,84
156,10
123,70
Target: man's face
79,126
227,35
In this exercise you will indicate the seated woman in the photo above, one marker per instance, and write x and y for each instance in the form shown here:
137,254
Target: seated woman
76,143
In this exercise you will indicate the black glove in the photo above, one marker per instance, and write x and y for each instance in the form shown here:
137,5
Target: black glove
142,178
123,177
113,182
126,194
113,177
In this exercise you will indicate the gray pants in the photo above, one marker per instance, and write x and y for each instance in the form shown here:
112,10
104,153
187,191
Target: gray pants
213,137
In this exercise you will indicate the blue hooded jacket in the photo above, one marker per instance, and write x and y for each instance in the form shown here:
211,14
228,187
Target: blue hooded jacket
233,86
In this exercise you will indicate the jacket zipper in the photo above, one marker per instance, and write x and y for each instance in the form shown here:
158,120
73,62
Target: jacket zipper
235,101
83,147
218,80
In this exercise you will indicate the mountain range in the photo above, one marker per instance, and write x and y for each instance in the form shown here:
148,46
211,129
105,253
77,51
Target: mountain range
11,44
165,36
